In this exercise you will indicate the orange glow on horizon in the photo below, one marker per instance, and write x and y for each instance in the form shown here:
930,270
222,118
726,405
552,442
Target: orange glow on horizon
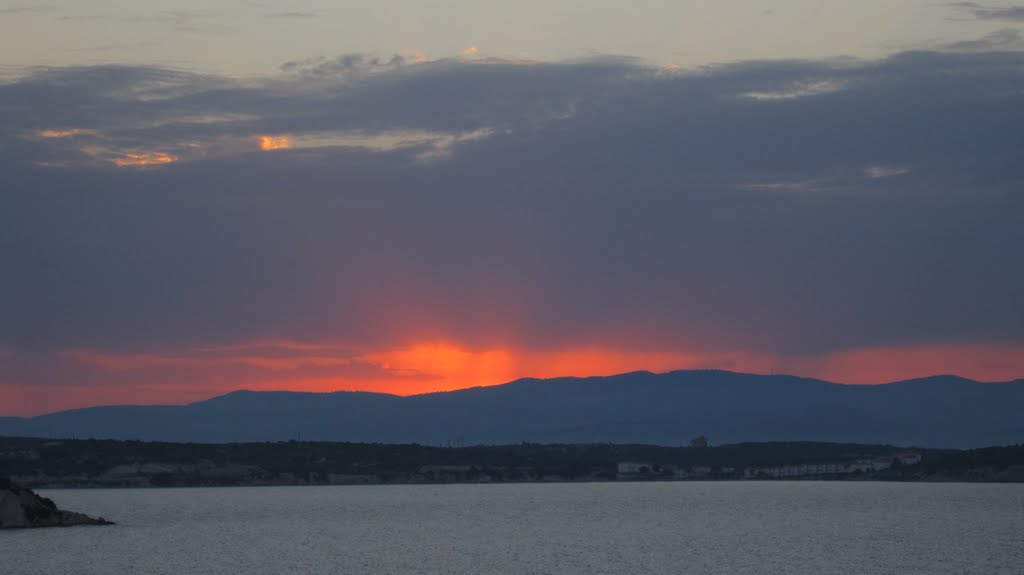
185,375
130,362
446,367
884,364
268,143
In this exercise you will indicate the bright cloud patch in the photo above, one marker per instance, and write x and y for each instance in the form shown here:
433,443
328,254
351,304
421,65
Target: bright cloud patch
797,90
268,143
142,159
67,133
435,145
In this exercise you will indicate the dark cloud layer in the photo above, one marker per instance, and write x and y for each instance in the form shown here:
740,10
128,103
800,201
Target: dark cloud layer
788,207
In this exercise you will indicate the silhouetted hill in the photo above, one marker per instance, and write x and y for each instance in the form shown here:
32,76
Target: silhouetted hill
22,508
640,407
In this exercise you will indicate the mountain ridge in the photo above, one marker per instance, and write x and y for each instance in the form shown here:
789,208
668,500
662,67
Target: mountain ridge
636,407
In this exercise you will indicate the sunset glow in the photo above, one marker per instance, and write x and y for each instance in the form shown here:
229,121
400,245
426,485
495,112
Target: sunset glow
142,159
488,192
194,374
66,133
268,143
885,364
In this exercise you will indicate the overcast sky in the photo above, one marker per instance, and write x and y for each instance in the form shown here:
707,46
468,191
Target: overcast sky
413,196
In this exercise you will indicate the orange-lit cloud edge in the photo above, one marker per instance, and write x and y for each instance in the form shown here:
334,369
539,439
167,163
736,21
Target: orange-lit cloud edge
271,142
93,144
196,374
89,147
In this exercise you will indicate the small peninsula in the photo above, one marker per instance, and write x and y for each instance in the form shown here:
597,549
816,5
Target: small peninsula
22,508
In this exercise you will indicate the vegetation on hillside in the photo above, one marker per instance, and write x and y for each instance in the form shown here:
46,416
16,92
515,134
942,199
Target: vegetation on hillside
47,462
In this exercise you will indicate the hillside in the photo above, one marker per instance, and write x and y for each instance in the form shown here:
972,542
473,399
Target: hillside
641,407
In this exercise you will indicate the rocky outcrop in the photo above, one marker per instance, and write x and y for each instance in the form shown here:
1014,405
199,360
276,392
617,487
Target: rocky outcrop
21,507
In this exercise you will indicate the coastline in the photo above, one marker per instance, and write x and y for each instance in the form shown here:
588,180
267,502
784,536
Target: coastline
78,463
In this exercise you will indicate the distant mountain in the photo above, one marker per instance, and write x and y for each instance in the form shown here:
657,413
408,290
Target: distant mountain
641,407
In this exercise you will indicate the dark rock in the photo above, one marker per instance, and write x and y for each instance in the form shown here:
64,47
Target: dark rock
21,507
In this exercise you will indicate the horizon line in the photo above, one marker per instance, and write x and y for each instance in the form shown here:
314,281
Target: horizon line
517,380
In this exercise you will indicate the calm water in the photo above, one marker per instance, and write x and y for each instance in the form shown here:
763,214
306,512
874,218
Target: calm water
726,527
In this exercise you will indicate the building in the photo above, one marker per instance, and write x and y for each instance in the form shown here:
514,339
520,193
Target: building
634,467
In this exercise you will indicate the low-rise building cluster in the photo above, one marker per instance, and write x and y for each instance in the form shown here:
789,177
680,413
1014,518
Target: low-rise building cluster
636,469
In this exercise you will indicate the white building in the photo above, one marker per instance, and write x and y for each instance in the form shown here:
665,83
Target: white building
634,467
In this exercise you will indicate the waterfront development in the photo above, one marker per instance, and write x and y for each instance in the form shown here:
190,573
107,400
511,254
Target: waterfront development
42,463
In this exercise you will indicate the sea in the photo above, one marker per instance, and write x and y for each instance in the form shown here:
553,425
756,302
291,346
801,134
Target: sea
559,528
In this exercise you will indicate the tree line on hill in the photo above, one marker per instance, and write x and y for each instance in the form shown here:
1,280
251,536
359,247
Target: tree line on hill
82,462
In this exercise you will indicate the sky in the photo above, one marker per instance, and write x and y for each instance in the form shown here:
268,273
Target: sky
407,197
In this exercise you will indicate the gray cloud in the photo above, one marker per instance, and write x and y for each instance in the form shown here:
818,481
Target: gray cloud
189,21
1005,39
197,21
986,12
291,15
604,203
28,9
344,65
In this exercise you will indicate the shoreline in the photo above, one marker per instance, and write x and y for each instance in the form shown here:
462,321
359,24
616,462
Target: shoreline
81,463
